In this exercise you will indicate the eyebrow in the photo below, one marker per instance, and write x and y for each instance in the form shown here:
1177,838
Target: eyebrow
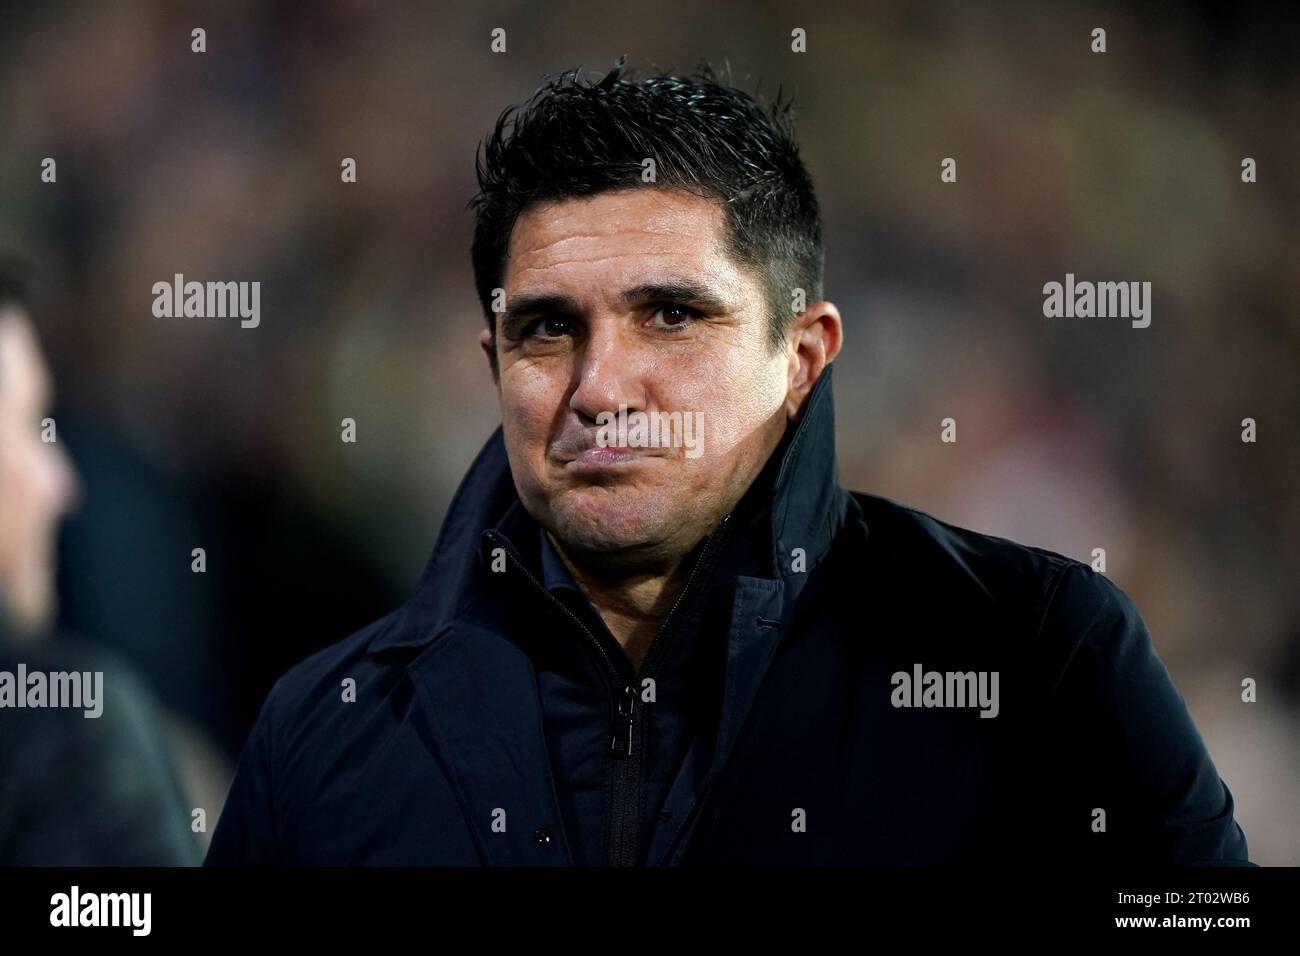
689,291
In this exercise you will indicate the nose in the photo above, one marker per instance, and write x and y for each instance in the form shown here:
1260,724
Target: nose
610,372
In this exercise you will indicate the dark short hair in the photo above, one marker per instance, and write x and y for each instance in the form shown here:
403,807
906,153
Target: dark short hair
576,138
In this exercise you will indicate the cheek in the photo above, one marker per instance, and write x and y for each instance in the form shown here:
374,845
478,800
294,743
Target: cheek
531,404
526,391
737,396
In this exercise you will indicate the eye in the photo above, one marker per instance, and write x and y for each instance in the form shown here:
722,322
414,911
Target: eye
675,317
549,327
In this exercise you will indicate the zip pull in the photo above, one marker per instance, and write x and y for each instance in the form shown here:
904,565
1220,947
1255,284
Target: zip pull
620,740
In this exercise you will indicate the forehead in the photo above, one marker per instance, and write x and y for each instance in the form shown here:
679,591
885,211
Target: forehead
622,232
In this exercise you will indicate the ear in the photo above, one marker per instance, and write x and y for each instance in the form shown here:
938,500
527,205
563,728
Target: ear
815,337
488,341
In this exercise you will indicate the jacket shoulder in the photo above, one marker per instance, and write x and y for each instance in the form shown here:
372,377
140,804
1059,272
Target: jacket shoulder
278,765
1055,599
301,684
988,567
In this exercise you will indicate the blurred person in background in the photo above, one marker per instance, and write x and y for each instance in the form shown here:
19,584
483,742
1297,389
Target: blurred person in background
77,790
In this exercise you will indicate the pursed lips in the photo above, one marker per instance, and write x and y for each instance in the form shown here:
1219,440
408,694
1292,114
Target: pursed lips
596,457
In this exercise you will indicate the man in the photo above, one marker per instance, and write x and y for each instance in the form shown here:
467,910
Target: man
630,652
78,790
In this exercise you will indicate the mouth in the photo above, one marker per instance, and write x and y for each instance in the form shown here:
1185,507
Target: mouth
609,459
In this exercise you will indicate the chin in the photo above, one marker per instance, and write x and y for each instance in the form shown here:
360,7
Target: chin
600,525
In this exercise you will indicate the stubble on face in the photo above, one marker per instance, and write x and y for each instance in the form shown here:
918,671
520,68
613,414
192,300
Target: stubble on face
592,343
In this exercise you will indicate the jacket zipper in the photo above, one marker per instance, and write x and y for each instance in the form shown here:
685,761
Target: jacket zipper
626,728
625,835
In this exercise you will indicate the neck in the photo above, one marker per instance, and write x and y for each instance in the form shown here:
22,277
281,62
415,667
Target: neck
633,606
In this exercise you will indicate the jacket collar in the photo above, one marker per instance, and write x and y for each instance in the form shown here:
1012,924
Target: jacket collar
806,511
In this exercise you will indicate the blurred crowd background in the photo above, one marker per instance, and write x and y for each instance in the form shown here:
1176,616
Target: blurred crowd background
1073,434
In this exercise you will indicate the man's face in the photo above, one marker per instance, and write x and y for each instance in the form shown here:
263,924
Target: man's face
37,482
614,334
